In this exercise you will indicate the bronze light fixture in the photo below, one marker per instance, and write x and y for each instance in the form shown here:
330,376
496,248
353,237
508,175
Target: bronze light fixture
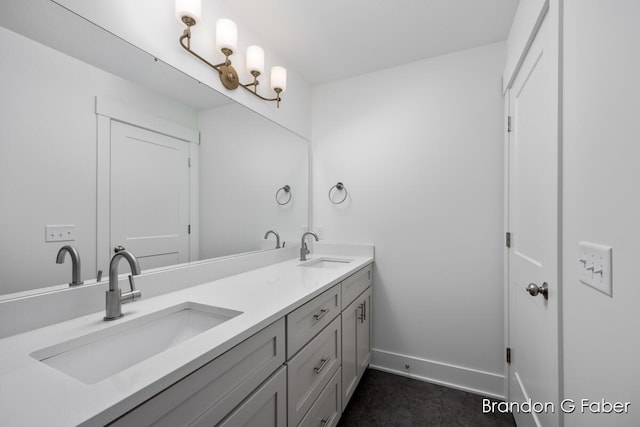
189,11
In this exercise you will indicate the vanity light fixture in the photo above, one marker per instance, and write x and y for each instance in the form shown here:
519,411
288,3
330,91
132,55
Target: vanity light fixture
189,13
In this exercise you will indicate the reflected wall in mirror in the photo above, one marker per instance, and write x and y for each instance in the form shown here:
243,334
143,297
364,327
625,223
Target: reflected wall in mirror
49,169
246,161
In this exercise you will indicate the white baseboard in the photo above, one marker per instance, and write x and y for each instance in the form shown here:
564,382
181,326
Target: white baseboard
458,377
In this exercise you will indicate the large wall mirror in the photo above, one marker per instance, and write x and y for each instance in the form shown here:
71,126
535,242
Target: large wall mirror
61,78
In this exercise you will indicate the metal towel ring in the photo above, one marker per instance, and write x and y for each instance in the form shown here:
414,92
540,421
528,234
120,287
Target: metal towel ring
340,187
287,190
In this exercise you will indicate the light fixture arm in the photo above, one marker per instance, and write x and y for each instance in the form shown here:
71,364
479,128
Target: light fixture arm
255,91
186,35
228,74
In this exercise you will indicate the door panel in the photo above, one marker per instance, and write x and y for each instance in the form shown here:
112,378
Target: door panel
533,220
149,195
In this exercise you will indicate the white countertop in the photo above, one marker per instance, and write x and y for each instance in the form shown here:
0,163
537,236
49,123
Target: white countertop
34,394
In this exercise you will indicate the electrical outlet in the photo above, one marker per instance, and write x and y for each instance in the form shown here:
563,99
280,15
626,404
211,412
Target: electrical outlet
595,266
59,233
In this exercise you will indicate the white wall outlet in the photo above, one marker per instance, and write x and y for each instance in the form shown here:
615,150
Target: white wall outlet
60,233
595,266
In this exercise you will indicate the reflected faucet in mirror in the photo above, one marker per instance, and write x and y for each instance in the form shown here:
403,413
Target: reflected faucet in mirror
76,279
275,234
114,296
304,250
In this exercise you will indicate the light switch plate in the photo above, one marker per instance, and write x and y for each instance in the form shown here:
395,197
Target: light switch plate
60,233
595,266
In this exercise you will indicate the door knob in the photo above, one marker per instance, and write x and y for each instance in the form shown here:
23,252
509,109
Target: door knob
534,290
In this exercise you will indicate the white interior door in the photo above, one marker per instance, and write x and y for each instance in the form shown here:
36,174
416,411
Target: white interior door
149,195
533,222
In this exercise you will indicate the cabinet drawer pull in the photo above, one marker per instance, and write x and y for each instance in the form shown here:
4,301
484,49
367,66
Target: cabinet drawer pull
326,421
321,367
323,312
363,312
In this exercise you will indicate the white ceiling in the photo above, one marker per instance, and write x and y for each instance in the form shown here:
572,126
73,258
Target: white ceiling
329,40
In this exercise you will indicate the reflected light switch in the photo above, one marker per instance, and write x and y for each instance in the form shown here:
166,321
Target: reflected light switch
60,233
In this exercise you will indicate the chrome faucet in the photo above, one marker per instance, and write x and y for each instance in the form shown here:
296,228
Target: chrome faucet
75,263
303,245
114,296
275,234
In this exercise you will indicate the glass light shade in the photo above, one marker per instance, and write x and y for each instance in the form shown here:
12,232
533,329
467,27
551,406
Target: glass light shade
226,35
190,8
279,78
255,59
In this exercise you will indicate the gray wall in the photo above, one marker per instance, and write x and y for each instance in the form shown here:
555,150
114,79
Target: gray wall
419,148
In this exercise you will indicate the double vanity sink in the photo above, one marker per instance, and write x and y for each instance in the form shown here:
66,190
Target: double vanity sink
85,371
99,355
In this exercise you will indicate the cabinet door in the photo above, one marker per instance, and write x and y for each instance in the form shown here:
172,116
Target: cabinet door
266,407
349,351
356,343
363,333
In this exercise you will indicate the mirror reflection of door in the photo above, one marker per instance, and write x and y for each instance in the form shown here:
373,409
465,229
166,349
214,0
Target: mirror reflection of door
149,195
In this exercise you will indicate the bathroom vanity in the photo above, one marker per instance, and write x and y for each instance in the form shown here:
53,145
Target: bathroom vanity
285,344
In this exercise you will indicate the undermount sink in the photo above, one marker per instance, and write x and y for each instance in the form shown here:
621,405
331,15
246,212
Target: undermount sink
94,357
326,263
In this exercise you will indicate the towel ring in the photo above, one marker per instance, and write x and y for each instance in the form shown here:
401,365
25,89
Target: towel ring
340,187
287,190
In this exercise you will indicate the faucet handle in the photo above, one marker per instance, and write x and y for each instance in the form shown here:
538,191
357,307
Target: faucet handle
132,284
133,295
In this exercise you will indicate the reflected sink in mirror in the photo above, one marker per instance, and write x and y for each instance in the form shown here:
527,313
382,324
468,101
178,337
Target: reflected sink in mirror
94,357
326,263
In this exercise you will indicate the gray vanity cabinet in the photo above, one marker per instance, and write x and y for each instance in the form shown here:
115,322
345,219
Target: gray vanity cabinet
327,409
314,359
355,284
266,407
308,320
209,394
356,333
299,371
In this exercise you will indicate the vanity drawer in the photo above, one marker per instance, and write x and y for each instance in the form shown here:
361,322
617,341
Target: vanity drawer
216,388
306,321
327,409
355,284
311,369
266,407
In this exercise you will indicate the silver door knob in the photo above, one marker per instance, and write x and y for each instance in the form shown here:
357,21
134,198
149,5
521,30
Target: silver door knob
534,290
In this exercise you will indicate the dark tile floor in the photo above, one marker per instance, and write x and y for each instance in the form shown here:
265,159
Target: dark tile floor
384,399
